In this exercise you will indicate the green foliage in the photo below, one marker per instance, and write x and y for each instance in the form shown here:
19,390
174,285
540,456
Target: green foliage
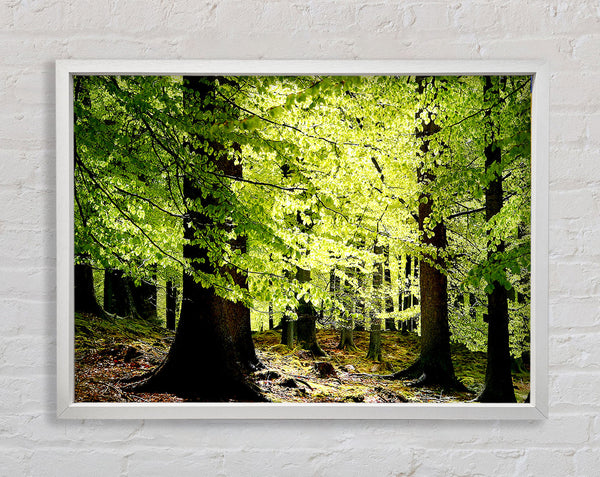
330,171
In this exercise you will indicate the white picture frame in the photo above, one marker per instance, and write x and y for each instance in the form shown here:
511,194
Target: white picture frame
66,405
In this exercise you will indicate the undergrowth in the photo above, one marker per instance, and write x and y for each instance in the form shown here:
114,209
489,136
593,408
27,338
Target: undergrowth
111,350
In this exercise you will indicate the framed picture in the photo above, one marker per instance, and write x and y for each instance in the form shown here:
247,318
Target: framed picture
302,239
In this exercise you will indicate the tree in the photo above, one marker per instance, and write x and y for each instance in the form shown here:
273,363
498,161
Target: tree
498,379
118,297
434,365
390,321
85,295
346,320
374,353
213,333
171,305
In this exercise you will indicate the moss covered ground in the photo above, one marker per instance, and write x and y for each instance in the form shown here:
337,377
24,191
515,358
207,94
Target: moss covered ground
110,351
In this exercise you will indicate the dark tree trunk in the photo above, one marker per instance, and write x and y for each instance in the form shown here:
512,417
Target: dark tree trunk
334,290
306,328
415,298
271,321
347,337
118,296
111,289
85,295
403,287
213,349
346,323
434,365
356,299
435,361
288,330
406,298
374,352
145,299
390,322
171,305
498,379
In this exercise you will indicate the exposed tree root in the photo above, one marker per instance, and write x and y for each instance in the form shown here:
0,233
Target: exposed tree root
421,378
235,389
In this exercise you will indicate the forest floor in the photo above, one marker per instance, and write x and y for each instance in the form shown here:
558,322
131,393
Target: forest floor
110,351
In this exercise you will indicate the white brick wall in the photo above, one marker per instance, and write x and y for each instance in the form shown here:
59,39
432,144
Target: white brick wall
34,33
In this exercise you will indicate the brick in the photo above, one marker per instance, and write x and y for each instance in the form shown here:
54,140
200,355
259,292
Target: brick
380,17
429,462
574,164
20,169
593,128
46,15
333,16
584,97
575,279
15,462
188,462
575,389
577,351
485,16
99,48
21,242
573,313
547,462
13,311
567,128
587,461
26,354
558,50
266,18
33,87
89,15
21,51
585,48
431,17
21,207
65,461
574,204
566,239
29,283
21,394
18,128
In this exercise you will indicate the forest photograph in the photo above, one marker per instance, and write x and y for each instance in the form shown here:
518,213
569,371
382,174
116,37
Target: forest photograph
302,239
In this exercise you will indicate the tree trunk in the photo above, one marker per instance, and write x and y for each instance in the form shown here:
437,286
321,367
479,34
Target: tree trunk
306,328
213,349
345,318
85,295
434,365
355,299
334,291
145,299
118,296
347,337
288,330
271,322
390,322
171,305
374,352
498,379
406,298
